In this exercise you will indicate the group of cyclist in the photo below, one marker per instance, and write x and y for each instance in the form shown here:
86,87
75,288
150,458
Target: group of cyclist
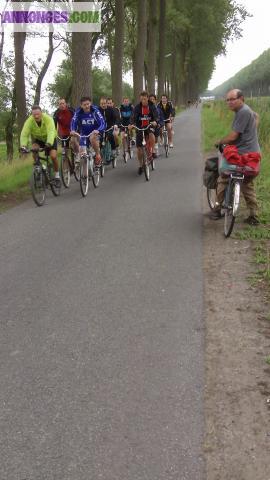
88,124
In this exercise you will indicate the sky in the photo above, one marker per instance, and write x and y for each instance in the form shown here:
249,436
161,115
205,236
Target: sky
255,40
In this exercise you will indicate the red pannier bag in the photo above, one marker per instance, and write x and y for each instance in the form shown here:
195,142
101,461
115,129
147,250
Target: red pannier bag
247,163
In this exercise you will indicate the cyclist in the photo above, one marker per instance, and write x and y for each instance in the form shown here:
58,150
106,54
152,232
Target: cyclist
144,114
126,110
160,124
116,131
88,120
41,129
244,136
110,118
168,113
62,119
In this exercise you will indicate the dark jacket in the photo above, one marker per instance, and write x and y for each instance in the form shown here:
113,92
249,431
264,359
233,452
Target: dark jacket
109,116
138,118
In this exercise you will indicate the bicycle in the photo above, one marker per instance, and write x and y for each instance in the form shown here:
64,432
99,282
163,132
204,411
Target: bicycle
42,176
126,144
88,169
165,137
148,159
66,165
232,192
106,149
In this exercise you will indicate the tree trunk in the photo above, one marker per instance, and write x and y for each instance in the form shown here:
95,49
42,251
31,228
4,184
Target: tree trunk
2,36
9,129
81,53
118,52
44,70
161,52
152,46
140,47
19,41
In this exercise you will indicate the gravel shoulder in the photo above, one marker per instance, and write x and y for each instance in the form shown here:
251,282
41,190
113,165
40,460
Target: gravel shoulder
237,390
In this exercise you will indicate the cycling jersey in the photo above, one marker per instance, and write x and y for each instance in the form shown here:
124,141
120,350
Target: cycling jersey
168,110
143,115
62,120
109,116
43,130
126,112
86,122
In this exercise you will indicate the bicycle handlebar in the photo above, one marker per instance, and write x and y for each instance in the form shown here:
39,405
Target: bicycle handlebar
63,139
145,128
32,150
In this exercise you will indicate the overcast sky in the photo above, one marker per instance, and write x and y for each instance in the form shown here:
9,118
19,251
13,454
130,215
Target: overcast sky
255,40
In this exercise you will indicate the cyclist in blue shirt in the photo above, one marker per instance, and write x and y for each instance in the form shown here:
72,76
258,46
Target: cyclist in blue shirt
88,120
126,110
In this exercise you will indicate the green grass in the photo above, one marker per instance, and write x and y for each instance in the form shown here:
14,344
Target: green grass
15,175
268,360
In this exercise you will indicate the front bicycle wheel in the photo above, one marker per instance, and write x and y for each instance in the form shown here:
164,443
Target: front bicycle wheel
38,187
56,189
146,166
84,180
211,197
166,143
229,217
96,176
65,171
114,160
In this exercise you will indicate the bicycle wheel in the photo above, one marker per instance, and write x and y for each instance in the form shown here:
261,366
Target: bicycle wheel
166,143
84,180
146,166
77,167
153,164
229,217
38,187
211,197
65,171
55,190
96,176
102,170
114,160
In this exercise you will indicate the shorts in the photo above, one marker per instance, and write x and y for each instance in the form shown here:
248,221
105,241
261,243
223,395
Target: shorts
139,137
42,144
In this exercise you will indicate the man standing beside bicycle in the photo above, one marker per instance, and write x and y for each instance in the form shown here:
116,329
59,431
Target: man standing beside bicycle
41,129
88,122
244,137
144,115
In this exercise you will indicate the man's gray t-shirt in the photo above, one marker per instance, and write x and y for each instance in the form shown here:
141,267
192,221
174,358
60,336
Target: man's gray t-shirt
245,124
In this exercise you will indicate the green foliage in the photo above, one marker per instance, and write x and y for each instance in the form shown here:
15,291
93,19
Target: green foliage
101,84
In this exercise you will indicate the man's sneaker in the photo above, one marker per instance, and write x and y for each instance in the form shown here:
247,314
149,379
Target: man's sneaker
171,145
133,141
57,182
154,155
252,220
215,215
140,170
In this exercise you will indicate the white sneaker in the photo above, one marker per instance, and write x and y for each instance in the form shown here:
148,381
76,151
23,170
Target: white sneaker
171,145
156,148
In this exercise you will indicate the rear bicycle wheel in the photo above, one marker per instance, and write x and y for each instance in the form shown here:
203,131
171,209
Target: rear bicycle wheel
211,197
37,186
229,217
84,180
65,170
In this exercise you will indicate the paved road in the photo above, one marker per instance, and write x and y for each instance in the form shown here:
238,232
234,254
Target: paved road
101,327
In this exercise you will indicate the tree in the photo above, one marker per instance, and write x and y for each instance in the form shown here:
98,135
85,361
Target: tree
118,52
152,45
19,41
161,50
140,48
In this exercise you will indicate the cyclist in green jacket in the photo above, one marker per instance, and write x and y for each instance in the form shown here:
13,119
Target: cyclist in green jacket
40,128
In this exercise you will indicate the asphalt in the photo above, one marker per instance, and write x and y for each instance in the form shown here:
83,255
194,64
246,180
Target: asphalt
102,333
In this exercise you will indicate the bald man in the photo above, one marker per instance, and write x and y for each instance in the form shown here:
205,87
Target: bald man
244,136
